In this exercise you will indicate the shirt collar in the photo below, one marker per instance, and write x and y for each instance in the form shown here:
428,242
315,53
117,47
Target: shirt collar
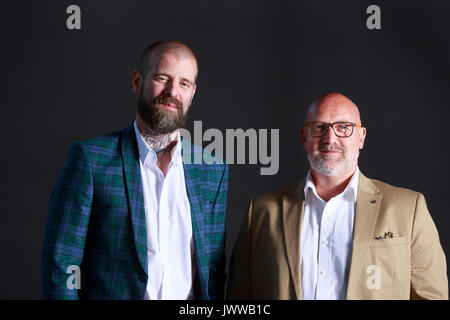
147,154
350,190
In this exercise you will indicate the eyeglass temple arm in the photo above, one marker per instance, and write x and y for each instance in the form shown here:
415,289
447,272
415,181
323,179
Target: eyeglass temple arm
356,124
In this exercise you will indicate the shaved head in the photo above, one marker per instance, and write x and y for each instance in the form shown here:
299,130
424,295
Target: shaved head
333,101
153,53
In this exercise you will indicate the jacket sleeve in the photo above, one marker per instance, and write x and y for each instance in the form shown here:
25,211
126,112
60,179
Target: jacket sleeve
240,281
428,265
66,227
217,276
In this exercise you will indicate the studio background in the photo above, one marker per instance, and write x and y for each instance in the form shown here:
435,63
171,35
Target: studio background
261,63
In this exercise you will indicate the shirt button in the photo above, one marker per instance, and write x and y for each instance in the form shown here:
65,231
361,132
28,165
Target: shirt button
325,242
322,272
142,278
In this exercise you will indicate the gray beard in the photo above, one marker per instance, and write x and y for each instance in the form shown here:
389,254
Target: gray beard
319,163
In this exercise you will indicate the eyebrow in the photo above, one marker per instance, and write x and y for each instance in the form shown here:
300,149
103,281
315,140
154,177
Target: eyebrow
168,75
332,122
190,82
161,74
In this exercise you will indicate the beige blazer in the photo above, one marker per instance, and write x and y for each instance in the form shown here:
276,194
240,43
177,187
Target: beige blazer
265,263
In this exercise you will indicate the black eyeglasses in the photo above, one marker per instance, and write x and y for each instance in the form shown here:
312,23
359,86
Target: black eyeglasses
318,129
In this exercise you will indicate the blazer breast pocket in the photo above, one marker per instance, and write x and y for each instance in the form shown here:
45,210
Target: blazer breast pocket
386,266
387,242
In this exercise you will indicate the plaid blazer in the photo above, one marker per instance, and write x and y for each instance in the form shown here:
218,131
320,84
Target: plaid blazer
96,221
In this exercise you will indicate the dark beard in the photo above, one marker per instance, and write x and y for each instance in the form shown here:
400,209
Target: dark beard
159,120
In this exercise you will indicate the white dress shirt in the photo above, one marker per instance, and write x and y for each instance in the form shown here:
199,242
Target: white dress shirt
170,246
327,241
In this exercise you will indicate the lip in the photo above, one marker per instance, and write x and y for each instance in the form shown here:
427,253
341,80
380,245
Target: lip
170,106
332,151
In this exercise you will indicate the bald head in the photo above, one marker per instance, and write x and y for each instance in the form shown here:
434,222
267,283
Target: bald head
333,106
154,52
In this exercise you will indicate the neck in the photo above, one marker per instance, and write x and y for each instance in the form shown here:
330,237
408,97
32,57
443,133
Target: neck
159,143
328,187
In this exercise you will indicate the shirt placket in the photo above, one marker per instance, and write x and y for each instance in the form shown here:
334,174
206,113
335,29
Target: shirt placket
161,227
324,254
165,227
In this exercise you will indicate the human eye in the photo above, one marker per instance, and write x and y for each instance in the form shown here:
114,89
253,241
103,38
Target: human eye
341,126
161,78
319,126
185,84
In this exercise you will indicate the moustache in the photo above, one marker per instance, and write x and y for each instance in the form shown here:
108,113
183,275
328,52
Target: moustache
327,147
167,100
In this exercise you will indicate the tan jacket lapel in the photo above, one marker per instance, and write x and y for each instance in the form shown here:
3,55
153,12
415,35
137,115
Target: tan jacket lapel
366,212
293,207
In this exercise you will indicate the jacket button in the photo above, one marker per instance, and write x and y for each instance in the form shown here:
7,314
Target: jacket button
142,278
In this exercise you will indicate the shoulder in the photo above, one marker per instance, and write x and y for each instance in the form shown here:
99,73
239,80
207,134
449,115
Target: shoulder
104,144
292,193
394,193
398,201
99,147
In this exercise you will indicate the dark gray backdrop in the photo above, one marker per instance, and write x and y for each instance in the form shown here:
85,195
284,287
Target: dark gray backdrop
261,64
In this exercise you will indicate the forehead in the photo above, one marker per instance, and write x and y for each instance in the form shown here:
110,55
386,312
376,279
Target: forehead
174,65
334,110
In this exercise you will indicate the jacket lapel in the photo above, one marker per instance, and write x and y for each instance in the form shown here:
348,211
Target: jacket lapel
366,212
293,207
134,192
193,177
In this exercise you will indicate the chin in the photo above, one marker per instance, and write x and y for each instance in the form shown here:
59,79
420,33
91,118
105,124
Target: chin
329,170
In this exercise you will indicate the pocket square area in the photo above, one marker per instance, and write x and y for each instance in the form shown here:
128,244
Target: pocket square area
387,235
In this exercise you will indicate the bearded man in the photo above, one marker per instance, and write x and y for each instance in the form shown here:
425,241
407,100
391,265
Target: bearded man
337,234
131,215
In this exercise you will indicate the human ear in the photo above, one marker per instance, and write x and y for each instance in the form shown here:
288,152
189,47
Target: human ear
362,137
303,136
136,81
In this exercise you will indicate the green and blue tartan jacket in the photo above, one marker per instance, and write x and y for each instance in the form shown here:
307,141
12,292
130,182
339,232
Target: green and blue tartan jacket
96,221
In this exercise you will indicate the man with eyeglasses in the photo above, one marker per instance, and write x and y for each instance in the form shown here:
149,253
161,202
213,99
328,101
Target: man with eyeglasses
337,234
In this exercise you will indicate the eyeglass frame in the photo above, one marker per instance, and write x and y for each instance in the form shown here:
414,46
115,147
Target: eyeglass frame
328,124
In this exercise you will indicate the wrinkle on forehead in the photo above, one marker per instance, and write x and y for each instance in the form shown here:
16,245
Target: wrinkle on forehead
333,106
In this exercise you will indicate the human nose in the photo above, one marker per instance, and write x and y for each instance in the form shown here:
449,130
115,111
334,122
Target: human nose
171,89
329,136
